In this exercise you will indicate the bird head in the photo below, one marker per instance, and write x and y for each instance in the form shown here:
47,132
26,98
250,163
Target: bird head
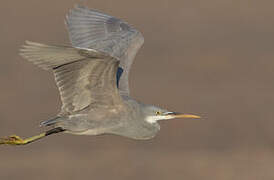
154,114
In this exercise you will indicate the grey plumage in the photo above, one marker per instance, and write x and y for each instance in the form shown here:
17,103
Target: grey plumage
91,29
92,77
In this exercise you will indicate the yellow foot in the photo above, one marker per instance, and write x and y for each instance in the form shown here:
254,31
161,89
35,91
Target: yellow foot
13,140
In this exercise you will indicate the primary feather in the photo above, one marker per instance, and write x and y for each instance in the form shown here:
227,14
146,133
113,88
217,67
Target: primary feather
91,29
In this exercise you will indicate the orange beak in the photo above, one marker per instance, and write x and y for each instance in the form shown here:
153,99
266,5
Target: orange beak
179,115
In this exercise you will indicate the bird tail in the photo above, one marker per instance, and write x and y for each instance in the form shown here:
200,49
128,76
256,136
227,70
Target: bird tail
48,57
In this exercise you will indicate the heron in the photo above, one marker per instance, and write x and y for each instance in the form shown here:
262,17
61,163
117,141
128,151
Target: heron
92,78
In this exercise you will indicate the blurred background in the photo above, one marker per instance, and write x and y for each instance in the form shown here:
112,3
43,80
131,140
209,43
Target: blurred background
213,58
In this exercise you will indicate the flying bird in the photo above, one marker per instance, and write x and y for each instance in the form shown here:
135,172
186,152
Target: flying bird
92,78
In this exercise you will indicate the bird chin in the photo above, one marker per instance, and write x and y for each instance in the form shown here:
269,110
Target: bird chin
154,119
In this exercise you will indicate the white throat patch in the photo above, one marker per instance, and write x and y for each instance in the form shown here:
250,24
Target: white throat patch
154,119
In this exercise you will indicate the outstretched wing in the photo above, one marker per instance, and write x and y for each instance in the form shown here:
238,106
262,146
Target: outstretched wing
84,78
88,82
90,29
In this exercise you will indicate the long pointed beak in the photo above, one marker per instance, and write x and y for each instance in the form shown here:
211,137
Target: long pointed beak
180,115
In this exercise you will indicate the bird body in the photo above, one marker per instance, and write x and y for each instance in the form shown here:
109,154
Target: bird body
127,120
92,77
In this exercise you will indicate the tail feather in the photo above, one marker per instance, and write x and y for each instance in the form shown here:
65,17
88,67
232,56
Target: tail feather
47,57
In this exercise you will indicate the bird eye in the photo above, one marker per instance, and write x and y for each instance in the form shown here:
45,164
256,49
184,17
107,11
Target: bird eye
158,112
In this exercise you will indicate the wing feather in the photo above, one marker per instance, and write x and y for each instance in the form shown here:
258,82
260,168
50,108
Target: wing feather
92,29
87,82
83,77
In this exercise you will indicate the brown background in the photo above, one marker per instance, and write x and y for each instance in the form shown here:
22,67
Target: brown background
214,58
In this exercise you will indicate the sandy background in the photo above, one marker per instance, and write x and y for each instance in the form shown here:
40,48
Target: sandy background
214,58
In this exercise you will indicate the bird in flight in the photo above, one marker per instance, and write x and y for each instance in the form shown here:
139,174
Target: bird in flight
92,78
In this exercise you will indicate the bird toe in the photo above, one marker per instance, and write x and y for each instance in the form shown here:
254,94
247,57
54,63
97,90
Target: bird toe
13,140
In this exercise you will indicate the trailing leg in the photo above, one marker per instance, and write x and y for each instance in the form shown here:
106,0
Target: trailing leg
16,140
